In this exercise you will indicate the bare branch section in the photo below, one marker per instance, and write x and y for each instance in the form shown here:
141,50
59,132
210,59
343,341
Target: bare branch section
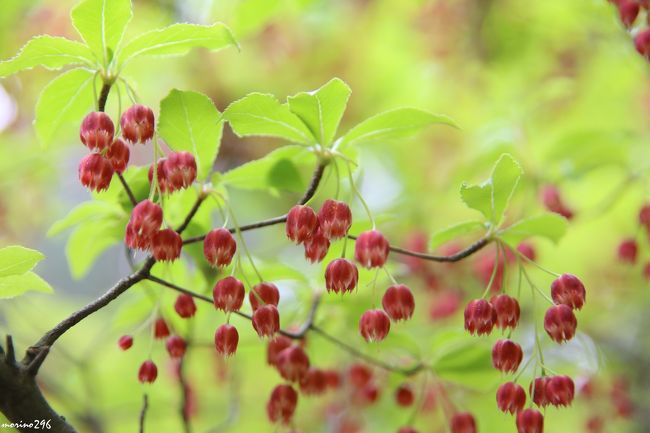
462,254
21,400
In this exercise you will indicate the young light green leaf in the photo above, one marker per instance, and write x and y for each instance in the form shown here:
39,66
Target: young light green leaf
101,23
14,285
549,225
16,260
391,125
89,240
262,115
505,178
65,99
189,121
491,197
278,169
452,232
322,109
86,211
459,358
478,197
48,51
178,39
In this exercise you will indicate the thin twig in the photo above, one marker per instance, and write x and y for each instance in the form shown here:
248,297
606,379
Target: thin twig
462,254
191,213
185,416
143,411
103,96
52,335
128,190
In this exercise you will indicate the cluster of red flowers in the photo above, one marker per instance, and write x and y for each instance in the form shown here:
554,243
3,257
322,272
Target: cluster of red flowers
629,248
110,153
503,311
629,11
333,220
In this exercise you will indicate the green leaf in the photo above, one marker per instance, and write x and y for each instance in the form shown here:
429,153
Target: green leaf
478,197
14,285
89,240
101,23
549,225
322,109
259,114
189,121
505,178
460,358
86,211
578,152
391,125
452,232
278,169
15,260
48,51
491,197
65,99
178,39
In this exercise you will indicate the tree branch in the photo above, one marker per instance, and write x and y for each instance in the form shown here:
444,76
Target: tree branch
21,400
191,213
103,96
129,193
52,335
462,254
143,412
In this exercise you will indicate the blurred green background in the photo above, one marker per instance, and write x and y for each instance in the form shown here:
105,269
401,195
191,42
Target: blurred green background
557,84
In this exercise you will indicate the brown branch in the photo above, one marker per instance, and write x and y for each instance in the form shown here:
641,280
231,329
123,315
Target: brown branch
132,198
315,181
103,96
52,335
21,400
143,412
476,246
191,213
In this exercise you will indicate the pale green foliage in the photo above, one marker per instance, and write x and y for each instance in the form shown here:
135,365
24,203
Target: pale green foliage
455,231
322,109
16,276
15,260
549,225
47,51
189,121
64,100
492,196
101,23
97,225
391,125
278,169
260,114
177,40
